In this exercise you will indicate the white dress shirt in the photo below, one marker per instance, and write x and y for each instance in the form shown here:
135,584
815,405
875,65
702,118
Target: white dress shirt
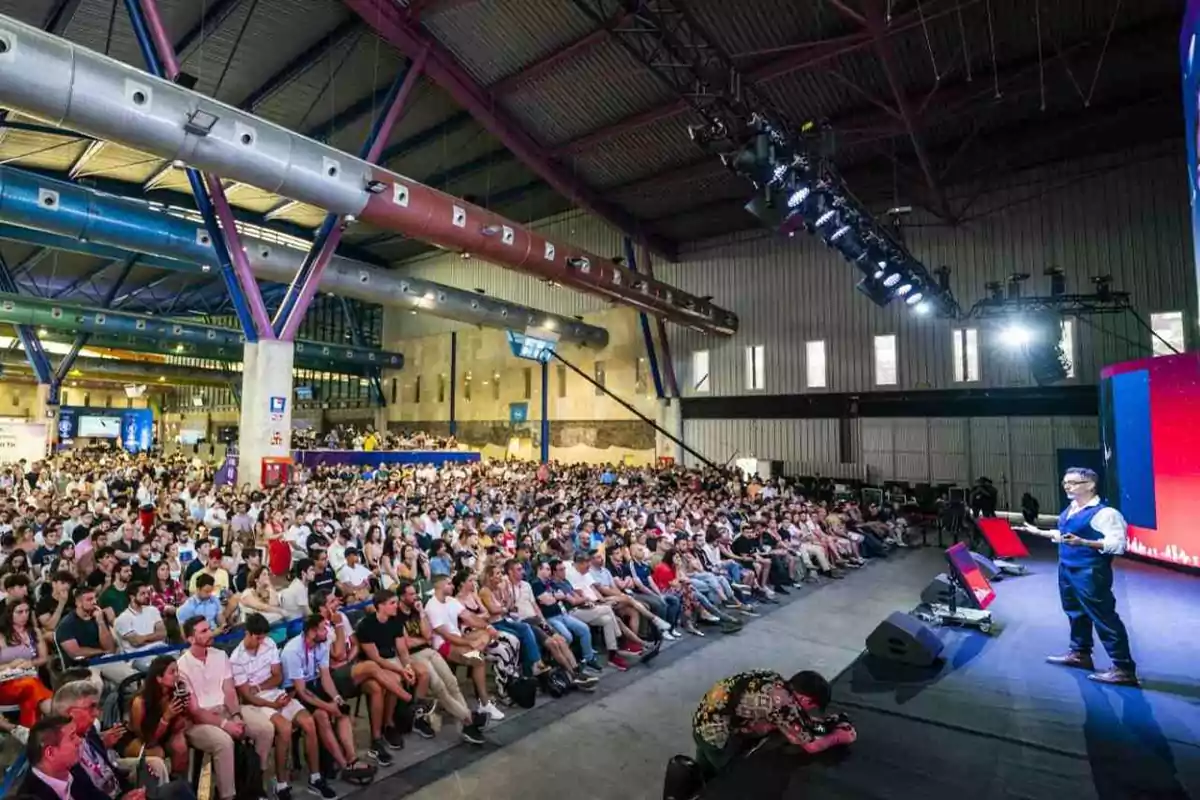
61,788
1107,522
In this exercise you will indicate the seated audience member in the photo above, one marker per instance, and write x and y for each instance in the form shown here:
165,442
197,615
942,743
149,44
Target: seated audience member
23,652
53,753
498,614
214,708
352,677
159,718
443,685
669,578
261,597
16,586
80,701
570,628
294,597
55,602
512,596
258,676
586,610
354,579
166,593
765,703
605,586
324,579
582,581
84,633
305,660
204,603
457,647
502,649
140,626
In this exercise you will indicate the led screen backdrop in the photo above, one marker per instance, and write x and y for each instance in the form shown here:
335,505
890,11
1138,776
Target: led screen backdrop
1150,428
1189,45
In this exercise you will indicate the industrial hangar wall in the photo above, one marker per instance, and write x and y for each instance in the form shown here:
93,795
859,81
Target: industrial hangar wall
827,407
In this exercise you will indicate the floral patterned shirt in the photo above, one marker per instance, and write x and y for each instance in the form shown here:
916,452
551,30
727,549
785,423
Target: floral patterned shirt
766,705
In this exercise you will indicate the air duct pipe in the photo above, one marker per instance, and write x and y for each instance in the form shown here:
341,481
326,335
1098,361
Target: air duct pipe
74,87
86,217
22,310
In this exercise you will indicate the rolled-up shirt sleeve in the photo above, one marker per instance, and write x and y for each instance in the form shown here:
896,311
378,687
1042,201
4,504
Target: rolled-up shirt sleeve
1109,523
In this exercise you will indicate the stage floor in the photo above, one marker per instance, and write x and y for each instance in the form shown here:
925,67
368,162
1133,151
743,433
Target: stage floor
997,721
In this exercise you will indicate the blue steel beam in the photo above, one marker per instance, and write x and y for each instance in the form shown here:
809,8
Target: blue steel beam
34,351
395,93
154,66
83,337
647,336
356,335
30,261
301,64
144,288
74,285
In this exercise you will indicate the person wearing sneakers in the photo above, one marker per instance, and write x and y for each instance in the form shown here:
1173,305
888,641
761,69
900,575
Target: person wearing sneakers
565,625
258,678
587,611
1089,534
381,637
443,685
306,672
443,612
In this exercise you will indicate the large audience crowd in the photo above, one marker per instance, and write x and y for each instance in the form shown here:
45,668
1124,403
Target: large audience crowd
353,437
215,619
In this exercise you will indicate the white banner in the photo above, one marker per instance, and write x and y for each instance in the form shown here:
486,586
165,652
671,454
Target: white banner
19,440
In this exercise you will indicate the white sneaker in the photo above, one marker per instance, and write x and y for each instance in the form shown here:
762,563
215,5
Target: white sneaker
493,712
671,635
661,624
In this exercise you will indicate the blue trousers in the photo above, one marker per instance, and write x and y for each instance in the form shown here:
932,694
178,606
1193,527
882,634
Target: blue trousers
1087,599
571,628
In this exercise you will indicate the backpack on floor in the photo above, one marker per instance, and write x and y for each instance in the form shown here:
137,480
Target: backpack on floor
557,682
248,771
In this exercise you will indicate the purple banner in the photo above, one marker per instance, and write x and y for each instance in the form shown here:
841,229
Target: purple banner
375,458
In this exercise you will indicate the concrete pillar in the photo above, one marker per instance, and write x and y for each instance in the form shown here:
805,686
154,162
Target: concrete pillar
668,418
265,423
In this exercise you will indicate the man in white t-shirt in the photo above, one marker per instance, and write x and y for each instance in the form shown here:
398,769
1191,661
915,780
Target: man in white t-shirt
258,676
139,626
443,611
354,578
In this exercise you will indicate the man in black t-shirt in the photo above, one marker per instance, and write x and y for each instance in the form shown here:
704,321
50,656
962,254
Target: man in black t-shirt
325,580
381,640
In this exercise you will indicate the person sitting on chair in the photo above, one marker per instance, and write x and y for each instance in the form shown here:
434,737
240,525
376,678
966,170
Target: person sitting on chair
742,709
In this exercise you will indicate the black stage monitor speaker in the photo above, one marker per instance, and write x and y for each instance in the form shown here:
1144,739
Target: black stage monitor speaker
986,566
939,590
905,639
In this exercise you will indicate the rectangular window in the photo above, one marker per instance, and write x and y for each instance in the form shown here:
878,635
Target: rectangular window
562,381
393,391
599,375
467,387
417,390
528,371
966,355
495,385
885,360
814,364
639,376
755,362
1168,338
441,388
1067,343
700,380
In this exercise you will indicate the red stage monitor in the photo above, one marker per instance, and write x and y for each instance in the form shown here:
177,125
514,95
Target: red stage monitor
1003,539
964,566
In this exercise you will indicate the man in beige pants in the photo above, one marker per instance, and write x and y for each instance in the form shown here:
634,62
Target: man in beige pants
214,708
442,683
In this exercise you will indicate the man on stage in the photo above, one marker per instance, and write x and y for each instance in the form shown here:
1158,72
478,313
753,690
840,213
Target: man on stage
1089,534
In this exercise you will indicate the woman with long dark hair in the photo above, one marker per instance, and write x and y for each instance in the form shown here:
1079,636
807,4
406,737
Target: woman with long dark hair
23,652
158,716
166,594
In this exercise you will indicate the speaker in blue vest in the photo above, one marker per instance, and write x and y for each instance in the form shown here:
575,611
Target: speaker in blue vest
905,639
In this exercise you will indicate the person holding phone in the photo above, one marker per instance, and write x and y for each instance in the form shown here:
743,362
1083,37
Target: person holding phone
159,716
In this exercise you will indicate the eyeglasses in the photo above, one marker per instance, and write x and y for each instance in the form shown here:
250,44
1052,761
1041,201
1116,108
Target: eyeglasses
1074,483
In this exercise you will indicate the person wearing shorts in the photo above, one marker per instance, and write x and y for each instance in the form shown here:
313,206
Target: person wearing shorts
258,677
305,660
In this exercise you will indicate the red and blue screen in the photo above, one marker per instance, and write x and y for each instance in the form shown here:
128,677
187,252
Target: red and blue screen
1150,427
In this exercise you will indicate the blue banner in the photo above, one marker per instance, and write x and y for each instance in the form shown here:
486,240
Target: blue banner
132,427
375,458
518,413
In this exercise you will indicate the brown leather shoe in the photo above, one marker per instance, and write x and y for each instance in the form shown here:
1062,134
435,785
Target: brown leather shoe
1115,676
1074,658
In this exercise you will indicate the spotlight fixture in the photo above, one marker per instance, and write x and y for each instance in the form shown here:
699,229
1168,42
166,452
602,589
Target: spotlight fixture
891,280
579,263
824,218
1103,285
839,233
915,299
1058,281
376,187
1016,335
798,196
922,307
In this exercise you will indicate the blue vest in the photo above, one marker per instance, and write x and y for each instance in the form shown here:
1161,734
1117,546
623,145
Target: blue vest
1080,524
